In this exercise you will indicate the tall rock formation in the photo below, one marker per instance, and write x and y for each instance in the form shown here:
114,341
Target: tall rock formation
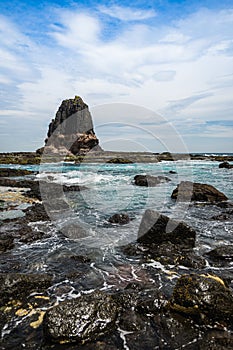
71,132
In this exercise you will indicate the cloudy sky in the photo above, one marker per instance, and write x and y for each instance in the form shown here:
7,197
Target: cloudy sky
157,75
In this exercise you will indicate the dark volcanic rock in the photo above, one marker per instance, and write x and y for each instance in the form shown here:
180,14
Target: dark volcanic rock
120,218
83,319
6,242
19,286
189,191
149,180
157,228
225,165
72,129
205,297
5,172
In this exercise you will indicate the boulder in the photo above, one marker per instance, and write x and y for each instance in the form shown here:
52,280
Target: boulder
71,132
149,180
205,297
157,228
120,218
189,191
225,165
81,320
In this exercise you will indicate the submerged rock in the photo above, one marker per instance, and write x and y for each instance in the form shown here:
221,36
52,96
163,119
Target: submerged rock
120,218
83,319
189,191
157,228
204,297
149,180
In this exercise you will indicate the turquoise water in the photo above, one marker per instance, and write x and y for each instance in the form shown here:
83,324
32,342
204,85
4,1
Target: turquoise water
110,190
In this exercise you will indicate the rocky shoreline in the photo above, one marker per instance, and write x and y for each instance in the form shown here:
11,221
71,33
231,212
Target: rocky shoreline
24,158
192,308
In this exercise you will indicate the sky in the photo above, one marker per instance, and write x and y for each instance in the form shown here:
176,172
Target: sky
157,75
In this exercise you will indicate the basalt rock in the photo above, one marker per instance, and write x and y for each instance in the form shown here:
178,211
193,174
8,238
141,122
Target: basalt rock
149,180
189,191
82,320
71,132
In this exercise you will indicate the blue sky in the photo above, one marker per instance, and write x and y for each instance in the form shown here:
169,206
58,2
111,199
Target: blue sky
171,57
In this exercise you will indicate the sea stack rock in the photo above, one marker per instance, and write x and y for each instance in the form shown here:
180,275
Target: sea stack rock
71,132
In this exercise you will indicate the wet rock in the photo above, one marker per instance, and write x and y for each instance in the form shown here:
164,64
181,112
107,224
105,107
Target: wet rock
216,340
35,213
83,319
171,254
149,180
221,255
19,286
189,191
225,205
120,218
6,242
28,235
204,297
225,165
5,172
225,216
172,172
157,228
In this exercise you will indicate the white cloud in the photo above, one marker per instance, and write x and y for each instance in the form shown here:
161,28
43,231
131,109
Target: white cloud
187,62
127,13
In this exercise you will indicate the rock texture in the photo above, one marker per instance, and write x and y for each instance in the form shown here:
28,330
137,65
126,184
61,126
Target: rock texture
71,132
82,319
189,191
203,296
